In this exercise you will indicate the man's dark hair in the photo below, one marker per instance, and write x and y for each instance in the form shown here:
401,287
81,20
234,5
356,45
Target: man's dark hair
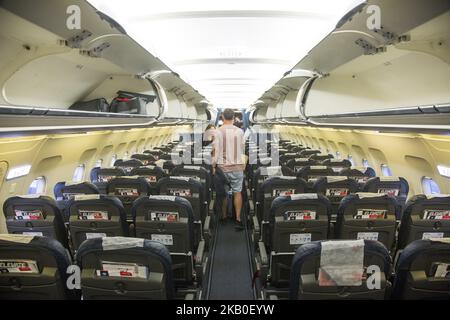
228,114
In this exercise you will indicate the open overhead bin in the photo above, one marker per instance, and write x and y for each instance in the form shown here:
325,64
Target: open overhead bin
399,68
50,66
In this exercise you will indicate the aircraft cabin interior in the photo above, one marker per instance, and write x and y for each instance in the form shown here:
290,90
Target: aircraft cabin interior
225,150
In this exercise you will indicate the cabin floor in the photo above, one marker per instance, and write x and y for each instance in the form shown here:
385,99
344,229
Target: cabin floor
231,277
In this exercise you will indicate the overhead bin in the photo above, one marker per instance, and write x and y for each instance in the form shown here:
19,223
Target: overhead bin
357,70
47,65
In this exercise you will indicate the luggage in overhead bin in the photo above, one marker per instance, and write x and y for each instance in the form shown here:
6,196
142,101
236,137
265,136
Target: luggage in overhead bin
96,105
131,103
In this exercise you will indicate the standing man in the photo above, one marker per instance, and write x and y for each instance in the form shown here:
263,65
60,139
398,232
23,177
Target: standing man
229,159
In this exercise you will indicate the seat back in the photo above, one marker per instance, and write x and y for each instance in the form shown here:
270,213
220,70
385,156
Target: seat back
128,165
423,271
298,148
264,173
188,188
394,186
298,219
308,153
166,165
151,173
32,268
93,216
335,188
298,163
287,156
127,189
145,158
310,173
340,270
337,164
101,176
155,153
35,215
67,190
197,173
294,221
275,187
368,216
169,220
360,174
424,217
319,157
125,268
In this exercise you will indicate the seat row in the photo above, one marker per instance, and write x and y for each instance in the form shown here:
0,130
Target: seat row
363,269
298,219
287,220
179,218
36,267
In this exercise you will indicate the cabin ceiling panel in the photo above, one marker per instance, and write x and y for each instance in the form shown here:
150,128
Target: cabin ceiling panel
219,47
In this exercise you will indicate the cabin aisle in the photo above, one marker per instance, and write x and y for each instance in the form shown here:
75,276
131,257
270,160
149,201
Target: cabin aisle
231,273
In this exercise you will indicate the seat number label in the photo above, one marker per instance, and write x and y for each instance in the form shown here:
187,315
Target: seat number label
367,236
430,235
165,239
299,238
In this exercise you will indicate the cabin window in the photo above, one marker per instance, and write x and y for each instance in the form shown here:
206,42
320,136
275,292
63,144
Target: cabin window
98,163
365,163
350,158
386,171
338,155
78,175
18,172
429,186
113,160
37,186
444,171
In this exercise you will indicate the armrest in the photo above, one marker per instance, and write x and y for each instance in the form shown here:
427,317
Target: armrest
200,253
397,256
263,253
132,230
252,207
256,227
211,206
207,223
199,257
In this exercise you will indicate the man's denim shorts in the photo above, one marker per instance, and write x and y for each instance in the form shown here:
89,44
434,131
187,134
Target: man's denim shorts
236,179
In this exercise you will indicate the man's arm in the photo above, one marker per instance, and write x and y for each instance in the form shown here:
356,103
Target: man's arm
215,152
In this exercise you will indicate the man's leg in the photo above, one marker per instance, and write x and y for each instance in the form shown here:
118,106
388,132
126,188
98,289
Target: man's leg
224,207
238,205
237,192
